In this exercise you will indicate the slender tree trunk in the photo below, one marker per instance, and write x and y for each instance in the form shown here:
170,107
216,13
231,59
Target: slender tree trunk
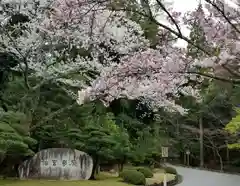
16,170
2,156
220,159
120,167
227,152
98,169
185,158
95,166
201,142
121,164
40,145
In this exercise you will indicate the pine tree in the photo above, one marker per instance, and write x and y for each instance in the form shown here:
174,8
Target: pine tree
197,36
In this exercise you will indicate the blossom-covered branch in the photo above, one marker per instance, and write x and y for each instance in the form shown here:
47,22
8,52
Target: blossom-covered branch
98,47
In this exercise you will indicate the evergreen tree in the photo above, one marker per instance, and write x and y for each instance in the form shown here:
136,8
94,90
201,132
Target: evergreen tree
197,35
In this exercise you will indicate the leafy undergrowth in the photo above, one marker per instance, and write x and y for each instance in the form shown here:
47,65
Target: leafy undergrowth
158,178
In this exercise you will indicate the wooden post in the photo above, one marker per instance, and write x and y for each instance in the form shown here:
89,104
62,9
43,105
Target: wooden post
188,154
185,161
165,155
165,179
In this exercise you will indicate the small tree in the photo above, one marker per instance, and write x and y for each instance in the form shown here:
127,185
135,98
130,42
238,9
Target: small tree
15,140
97,136
98,142
122,149
233,127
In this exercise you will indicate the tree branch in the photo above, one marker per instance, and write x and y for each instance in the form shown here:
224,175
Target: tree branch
223,14
236,81
170,16
165,27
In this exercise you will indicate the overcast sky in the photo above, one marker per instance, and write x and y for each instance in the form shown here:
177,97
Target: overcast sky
184,6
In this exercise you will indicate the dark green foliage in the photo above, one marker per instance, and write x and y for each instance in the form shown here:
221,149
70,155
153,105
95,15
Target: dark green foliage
170,170
7,61
97,141
14,136
133,177
197,36
146,172
15,141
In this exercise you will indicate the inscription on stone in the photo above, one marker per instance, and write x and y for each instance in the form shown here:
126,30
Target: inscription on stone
46,163
72,163
57,163
54,162
64,163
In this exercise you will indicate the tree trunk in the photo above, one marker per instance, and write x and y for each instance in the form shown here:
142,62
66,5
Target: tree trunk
185,158
2,157
227,152
16,169
201,142
220,159
95,166
98,169
120,166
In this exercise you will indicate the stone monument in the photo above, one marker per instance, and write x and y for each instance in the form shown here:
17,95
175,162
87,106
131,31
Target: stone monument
57,163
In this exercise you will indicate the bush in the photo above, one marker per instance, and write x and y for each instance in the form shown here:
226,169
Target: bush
133,177
170,170
146,172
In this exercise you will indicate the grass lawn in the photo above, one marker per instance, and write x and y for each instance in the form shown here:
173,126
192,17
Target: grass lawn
107,182
104,179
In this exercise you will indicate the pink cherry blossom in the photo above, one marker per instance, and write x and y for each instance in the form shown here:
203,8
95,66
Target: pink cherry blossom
154,75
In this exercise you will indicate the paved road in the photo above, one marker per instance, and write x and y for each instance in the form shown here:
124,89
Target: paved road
193,177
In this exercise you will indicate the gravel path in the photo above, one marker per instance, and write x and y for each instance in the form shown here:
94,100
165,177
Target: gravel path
193,177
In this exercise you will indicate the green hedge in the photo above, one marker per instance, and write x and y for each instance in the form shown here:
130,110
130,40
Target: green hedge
170,170
133,177
146,172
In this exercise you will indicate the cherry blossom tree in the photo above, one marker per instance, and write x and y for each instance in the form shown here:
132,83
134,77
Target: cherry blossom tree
77,37
222,33
61,38
57,29
221,27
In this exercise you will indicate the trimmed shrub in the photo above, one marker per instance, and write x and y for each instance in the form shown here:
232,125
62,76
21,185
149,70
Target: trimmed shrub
146,172
170,170
133,177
